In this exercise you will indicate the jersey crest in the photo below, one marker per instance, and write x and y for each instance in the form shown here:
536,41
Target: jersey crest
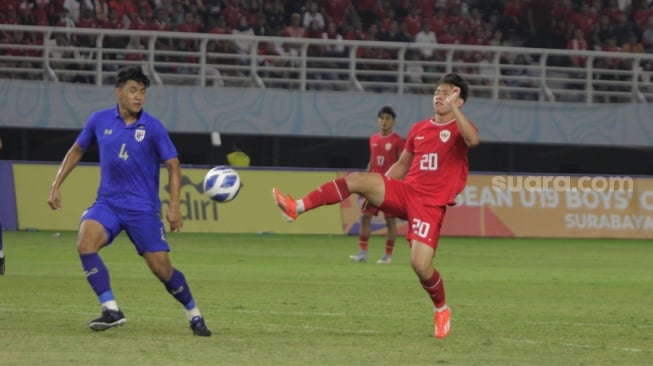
139,135
388,146
444,135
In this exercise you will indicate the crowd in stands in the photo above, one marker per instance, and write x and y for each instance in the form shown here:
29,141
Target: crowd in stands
607,25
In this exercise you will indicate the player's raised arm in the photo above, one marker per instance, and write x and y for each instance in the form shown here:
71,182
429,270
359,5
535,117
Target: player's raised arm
466,128
174,181
69,162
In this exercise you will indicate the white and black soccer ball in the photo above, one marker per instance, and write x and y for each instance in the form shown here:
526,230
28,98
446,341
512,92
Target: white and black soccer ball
222,184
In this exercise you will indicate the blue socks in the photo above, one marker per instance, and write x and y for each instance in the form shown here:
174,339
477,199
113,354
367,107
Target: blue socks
97,276
178,287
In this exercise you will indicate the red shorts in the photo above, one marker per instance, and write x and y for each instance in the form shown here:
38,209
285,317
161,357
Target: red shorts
403,202
370,209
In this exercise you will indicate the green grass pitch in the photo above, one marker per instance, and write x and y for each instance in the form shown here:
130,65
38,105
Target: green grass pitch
298,300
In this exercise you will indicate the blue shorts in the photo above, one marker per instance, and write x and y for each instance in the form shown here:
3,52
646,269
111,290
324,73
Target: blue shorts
144,229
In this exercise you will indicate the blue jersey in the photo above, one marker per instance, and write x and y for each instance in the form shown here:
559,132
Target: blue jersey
130,158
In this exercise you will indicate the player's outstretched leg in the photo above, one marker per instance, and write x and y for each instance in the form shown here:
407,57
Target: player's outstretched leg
328,193
287,204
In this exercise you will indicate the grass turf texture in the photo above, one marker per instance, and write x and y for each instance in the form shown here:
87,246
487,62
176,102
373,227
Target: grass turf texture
298,300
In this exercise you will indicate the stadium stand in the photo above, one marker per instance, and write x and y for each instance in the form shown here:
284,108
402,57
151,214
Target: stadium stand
561,50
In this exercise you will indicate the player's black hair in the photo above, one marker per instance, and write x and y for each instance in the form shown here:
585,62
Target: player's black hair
455,80
132,72
388,110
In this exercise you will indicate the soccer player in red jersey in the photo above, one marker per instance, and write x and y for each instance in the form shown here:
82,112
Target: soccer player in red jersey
434,164
385,148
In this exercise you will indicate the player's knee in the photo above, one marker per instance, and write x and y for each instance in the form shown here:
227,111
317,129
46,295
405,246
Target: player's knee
86,246
162,271
422,269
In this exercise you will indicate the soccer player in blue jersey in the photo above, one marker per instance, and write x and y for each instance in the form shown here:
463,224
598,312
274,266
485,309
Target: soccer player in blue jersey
132,145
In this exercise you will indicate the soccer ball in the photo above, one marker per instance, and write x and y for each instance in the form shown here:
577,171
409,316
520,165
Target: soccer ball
221,184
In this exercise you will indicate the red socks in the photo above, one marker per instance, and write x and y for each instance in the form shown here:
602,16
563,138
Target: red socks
389,247
362,243
434,286
327,194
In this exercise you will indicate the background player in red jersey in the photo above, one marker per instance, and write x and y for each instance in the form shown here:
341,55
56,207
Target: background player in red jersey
385,148
434,163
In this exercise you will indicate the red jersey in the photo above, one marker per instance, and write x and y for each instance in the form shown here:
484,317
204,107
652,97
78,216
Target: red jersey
439,168
384,151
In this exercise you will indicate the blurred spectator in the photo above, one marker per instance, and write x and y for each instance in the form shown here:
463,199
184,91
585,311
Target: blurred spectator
413,21
135,49
255,10
270,57
232,12
519,77
603,31
438,22
385,24
261,27
513,16
612,11
496,39
365,10
335,51
74,9
314,31
294,30
339,11
101,9
394,34
414,72
177,15
141,20
585,20
578,43
426,8
62,56
87,40
642,15
18,50
276,16
623,28
476,21
313,13
114,22
42,13
25,13
243,47
647,36
540,22
124,7
426,37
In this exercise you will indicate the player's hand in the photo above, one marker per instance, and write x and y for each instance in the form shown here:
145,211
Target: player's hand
453,96
54,199
174,219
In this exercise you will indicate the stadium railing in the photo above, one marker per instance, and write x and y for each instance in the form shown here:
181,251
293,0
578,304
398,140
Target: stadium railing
201,59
